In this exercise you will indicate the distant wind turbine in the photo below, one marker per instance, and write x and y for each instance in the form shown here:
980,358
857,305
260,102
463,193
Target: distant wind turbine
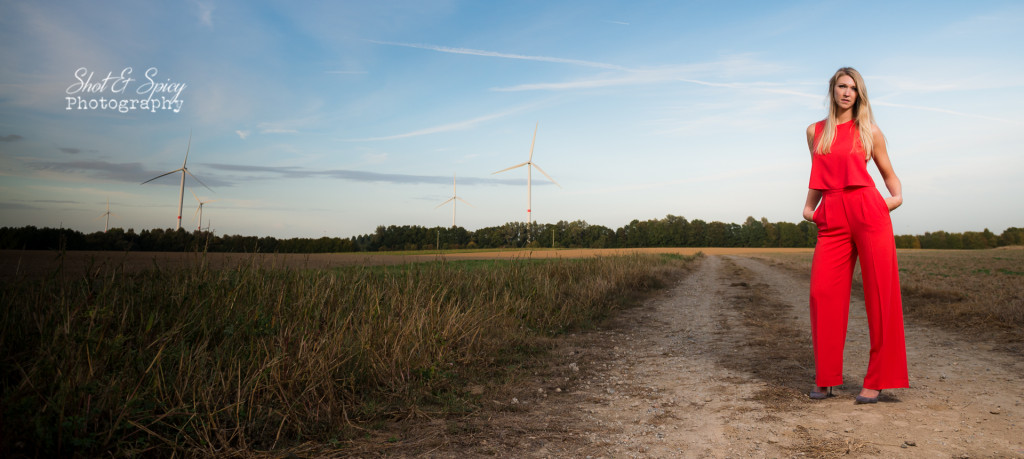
529,181
106,226
455,196
184,170
199,211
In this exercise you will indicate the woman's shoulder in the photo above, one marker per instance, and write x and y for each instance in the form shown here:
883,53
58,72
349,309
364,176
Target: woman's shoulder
815,126
876,133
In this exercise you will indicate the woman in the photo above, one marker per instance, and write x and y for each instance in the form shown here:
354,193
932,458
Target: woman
853,222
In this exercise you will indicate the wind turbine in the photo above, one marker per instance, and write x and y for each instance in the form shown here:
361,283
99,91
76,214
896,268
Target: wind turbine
183,170
199,211
106,226
529,182
455,196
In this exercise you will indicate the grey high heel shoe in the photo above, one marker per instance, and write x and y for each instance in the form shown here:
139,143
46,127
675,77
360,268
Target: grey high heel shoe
815,395
861,400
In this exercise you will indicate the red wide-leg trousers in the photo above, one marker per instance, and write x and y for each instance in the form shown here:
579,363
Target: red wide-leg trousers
852,223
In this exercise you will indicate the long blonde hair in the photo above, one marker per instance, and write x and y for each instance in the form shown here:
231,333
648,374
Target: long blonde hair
862,116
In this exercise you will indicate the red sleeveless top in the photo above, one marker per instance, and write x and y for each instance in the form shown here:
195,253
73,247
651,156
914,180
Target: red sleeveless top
844,165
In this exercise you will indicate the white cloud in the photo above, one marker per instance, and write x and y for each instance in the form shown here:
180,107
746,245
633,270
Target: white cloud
205,14
242,134
951,112
459,125
480,52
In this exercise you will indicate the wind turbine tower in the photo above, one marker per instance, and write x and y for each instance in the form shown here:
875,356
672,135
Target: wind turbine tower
455,196
106,226
199,211
184,170
529,182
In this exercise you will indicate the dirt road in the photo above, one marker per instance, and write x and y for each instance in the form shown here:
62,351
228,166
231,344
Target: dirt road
718,366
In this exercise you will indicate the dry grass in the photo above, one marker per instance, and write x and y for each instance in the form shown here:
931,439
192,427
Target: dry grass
976,292
830,444
234,362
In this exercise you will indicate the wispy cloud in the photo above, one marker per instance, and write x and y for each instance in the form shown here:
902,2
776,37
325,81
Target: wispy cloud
356,176
346,72
55,201
774,88
16,206
585,84
242,134
442,128
951,112
721,69
205,13
71,151
375,158
485,53
282,127
120,172
11,138
617,22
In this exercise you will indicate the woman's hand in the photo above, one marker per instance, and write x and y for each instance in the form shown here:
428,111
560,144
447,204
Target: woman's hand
809,214
892,202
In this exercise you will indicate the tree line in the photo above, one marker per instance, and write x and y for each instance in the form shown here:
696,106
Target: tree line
671,231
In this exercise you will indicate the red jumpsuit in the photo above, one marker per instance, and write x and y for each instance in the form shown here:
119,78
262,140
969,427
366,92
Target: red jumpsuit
853,222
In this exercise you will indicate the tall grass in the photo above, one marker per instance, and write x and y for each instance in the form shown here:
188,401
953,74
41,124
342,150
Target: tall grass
228,362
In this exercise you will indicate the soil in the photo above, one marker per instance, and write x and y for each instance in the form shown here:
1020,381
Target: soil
719,365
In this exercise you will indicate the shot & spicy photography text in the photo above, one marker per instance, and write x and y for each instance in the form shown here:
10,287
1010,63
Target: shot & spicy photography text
123,92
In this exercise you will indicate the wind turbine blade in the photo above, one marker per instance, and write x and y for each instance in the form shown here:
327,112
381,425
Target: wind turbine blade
463,200
207,202
194,195
187,149
443,203
197,213
510,168
161,175
197,179
546,174
534,139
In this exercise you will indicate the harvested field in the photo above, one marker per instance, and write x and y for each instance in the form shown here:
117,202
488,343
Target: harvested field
976,292
34,263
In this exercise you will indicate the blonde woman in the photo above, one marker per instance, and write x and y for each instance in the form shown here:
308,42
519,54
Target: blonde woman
853,223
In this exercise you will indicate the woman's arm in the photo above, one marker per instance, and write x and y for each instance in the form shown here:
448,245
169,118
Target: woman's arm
892,182
813,196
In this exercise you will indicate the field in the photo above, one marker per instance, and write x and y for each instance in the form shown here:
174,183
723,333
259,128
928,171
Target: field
978,292
396,354
36,263
215,355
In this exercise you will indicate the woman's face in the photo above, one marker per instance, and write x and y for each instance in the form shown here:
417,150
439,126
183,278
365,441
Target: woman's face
845,92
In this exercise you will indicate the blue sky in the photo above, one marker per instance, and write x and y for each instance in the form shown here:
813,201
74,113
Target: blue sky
331,118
